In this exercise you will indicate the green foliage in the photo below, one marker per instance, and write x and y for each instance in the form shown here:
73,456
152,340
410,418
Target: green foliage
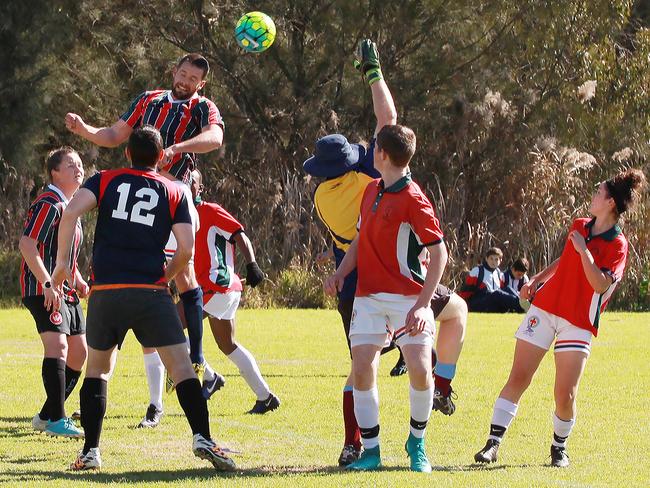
9,277
519,107
304,358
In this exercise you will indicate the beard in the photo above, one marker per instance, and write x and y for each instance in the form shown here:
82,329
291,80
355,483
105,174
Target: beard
181,93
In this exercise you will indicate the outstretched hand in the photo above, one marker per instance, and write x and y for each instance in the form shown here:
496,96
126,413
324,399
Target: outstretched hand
367,61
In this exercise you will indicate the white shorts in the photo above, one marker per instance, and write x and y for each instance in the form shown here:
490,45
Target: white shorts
541,328
377,319
223,306
171,246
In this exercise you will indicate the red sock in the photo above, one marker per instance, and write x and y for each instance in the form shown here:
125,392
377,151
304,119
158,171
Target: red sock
352,433
442,384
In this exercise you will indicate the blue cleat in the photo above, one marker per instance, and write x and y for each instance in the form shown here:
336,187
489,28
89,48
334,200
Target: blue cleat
209,387
64,427
415,450
369,460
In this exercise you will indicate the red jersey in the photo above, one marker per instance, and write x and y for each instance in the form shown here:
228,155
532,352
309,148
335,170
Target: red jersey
396,224
567,293
177,121
214,259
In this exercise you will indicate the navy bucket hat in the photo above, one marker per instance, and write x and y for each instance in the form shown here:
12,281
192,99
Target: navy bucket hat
334,156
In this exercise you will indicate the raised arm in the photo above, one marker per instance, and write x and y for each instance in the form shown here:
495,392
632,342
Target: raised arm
382,100
384,106
111,136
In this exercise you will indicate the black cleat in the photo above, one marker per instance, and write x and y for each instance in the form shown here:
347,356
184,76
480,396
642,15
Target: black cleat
399,369
263,406
489,453
444,403
349,454
151,418
211,387
559,457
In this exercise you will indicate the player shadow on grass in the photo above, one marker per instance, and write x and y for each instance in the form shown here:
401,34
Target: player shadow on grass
205,473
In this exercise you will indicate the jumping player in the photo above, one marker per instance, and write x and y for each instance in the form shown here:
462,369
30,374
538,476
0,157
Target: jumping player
393,296
566,309
130,286
215,270
189,124
347,169
59,318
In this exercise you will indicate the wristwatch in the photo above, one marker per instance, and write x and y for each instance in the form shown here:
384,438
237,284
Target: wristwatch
47,284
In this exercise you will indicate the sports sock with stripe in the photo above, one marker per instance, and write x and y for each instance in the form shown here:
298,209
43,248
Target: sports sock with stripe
366,410
421,404
502,416
247,366
444,373
561,430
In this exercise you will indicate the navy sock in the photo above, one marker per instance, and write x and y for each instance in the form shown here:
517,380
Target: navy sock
92,398
194,405
53,371
193,308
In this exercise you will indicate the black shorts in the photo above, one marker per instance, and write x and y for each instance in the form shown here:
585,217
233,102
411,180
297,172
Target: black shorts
150,313
440,299
69,320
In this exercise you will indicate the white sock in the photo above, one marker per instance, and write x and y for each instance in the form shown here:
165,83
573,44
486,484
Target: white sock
561,430
245,361
155,371
366,410
208,373
504,413
421,405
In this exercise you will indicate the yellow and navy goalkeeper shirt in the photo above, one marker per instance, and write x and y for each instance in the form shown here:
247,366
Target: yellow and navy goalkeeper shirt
338,201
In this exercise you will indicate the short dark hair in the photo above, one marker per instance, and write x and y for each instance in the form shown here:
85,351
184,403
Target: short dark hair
494,251
144,146
625,188
195,59
398,141
55,157
521,264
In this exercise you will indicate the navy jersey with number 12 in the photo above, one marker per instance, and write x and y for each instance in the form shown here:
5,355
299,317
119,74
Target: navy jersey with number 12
137,209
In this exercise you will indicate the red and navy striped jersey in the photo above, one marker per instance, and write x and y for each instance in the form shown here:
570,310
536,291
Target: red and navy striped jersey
177,121
137,209
42,225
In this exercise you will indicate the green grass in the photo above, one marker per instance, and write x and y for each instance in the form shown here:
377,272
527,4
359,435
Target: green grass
302,353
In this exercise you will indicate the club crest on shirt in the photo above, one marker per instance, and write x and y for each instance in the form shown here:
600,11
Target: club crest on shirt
56,318
533,321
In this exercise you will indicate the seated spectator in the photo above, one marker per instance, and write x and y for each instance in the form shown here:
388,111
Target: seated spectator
516,276
483,287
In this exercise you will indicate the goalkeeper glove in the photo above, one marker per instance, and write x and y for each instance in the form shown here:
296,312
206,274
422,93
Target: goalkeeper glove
369,65
254,275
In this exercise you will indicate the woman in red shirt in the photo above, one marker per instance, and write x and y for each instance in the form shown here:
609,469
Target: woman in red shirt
584,276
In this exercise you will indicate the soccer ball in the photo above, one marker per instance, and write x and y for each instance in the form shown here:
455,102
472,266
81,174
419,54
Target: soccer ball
255,32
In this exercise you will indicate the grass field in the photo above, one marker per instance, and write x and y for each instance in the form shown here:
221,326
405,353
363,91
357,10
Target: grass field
302,353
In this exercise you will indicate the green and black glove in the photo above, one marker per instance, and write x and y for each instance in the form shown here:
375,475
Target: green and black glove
368,61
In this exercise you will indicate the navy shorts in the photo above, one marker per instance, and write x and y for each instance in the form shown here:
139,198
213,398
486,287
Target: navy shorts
68,320
149,312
